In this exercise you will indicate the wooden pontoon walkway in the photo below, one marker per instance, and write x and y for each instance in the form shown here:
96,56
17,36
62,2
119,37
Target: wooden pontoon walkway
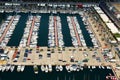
8,26
31,30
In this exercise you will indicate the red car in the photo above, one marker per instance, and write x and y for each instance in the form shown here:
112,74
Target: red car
28,59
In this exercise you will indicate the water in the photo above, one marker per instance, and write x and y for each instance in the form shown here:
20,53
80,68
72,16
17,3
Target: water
85,33
19,30
28,74
43,29
65,30
2,17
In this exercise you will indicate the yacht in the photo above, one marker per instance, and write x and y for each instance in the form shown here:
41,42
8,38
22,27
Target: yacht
46,69
100,67
57,68
81,68
60,68
3,68
77,69
42,68
22,68
12,68
88,67
19,68
35,69
108,67
103,67
71,68
67,67
8,67
50,68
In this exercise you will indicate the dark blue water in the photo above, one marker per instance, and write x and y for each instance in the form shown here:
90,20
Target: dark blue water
43,30
2,17
19,30
85,33
28,74
65,30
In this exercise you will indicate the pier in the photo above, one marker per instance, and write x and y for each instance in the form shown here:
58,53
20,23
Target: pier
76,33
8,26
56,33
31,30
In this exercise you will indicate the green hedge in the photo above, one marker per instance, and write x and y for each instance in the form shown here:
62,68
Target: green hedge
117,35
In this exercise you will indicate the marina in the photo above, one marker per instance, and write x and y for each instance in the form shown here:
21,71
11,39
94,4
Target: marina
57,32
55,45
74,75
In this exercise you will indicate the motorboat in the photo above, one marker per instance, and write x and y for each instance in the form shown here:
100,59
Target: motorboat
60,68
81,68
22,68
19,68
42,68
67,67
3,68
88,67
12,68
50,68
8,67
46,69
35,69
57,68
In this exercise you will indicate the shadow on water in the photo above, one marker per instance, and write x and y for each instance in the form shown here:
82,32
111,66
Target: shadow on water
28,74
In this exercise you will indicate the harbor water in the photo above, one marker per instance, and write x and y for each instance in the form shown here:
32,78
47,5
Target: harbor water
42,39
28,74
